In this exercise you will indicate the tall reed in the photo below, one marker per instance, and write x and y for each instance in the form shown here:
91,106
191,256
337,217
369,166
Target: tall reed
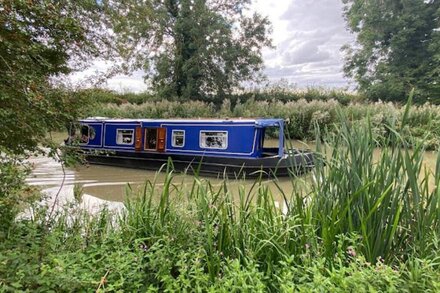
386,200
378,201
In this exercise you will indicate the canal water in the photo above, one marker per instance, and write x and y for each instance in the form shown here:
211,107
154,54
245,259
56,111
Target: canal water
109,185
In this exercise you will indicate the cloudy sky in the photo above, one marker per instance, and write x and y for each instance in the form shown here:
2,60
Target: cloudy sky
307,35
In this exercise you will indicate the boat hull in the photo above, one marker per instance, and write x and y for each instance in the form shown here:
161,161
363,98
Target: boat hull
294,164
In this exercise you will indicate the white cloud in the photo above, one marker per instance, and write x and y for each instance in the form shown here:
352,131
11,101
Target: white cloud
124,83
309,36
119,82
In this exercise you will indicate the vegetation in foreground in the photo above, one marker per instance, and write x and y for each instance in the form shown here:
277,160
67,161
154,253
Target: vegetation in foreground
363,226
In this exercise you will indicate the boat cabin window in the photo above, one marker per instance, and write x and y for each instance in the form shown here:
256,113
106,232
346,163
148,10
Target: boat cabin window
87,133
124,136
214,139
150,138
178,138
270,141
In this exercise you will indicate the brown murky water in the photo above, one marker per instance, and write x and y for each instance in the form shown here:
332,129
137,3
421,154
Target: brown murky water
110,185
103,184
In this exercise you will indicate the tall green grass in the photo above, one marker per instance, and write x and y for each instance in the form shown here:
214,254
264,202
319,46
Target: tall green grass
386,205
388,202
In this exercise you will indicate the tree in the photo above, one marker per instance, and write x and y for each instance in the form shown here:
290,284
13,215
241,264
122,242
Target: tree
193,48
39,40
397,48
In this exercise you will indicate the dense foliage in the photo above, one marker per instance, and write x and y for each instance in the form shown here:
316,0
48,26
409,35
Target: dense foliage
193,48
368,225
40,40
279,91
397,49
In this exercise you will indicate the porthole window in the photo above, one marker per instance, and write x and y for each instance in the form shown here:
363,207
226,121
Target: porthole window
214,139
85,134
125,136
178,138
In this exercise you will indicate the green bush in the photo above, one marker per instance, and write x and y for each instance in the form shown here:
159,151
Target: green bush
282,93
97,95
12,191
84,253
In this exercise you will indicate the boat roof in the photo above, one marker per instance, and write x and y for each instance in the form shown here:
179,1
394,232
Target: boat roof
263,122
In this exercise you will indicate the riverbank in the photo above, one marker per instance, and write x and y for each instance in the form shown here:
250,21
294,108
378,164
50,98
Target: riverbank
364,223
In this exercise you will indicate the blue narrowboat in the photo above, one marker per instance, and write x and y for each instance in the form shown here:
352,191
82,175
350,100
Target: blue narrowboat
232,147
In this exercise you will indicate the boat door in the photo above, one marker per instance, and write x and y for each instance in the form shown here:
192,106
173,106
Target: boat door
155,139
138,139
161,134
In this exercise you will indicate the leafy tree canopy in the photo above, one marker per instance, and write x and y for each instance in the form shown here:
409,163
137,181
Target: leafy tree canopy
398,47
40,39
193,48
